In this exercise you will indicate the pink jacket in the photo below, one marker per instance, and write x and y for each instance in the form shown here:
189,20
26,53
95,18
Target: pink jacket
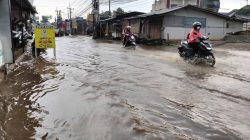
194,34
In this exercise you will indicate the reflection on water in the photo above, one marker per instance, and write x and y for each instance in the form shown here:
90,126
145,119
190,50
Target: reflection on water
100,91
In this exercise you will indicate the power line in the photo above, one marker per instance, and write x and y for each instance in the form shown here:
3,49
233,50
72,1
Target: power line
82,7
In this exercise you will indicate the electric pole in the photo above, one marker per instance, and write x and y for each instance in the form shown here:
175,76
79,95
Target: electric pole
57,15
109,8
96,12
70,18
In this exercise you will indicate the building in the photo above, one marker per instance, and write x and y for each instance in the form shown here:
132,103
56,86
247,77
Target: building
213,5
112,27
5,34
168,4
22,9
242,13
12,11
79,25
176,23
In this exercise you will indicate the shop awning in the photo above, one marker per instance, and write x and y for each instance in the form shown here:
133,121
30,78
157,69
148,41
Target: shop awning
27,5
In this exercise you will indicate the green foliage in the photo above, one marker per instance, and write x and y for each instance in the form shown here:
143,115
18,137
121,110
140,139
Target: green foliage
244,12
119,11
46,19
105,14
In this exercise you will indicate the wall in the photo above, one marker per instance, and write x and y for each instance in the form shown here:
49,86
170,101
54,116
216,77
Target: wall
5,33
162,4
155,26
215,25
192,2
158,5
177,2
135,26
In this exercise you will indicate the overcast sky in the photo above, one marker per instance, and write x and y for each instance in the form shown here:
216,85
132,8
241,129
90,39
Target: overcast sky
48,7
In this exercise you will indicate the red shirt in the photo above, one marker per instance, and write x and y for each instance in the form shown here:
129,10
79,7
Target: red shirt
194,34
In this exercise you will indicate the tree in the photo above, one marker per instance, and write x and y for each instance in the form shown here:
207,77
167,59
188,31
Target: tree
46,19
119,11
105,14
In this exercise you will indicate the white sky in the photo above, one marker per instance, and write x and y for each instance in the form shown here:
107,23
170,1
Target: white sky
48,7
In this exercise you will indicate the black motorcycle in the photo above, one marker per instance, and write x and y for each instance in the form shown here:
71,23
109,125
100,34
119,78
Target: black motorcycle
131,42
203,54
20,34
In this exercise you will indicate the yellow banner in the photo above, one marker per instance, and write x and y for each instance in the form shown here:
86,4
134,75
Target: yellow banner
45,37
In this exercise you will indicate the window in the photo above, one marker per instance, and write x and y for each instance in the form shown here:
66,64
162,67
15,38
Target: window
174,21
227,25
188,21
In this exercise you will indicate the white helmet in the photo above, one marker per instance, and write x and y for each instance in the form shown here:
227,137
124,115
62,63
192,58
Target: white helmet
128,27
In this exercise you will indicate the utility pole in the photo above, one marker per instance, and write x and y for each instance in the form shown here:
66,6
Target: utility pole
57,15
96,12
60,16
70,18
109,8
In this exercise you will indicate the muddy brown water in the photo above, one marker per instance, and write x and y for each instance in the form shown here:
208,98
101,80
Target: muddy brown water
95,90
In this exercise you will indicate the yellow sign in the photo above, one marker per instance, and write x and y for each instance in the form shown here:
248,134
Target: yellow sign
44,36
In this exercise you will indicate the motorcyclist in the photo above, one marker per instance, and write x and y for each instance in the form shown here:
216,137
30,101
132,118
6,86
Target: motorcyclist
194,37
127,32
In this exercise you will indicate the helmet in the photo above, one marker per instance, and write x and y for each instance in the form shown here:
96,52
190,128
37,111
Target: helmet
197,25
128,28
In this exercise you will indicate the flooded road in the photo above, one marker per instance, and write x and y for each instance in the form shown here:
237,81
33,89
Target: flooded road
95,90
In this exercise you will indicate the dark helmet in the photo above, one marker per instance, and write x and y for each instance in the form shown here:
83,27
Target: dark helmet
197,24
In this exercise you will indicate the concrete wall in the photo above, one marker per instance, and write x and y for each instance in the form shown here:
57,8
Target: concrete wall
177,2
192,2
162,4
158,5
5,33
237,38
217,26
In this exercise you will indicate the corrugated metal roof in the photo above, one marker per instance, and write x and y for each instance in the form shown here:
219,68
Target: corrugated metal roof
123,16
160,12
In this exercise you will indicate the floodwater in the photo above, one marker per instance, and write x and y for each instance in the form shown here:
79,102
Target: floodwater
96,90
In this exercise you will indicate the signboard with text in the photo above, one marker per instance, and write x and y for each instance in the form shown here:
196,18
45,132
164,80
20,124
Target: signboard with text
44,36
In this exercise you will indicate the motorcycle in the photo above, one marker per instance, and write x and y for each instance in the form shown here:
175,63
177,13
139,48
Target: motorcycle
20,35
131,42
204,53
17,38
